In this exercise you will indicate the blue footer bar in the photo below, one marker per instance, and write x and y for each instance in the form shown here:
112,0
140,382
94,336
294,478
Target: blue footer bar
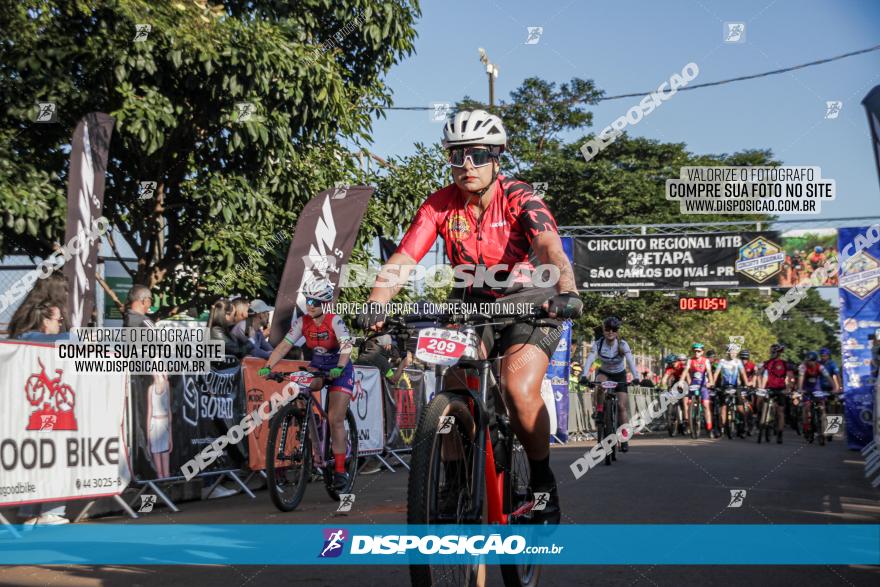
308,544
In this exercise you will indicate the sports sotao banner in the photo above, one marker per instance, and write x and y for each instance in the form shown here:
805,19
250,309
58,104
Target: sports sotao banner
61,433
681,261
175,417
85,201
322,242
257,391
859,318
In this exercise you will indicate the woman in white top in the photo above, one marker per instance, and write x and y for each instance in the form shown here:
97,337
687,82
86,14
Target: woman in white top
615,356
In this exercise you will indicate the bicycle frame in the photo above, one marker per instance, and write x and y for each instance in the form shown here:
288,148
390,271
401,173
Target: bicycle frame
485,468
318,424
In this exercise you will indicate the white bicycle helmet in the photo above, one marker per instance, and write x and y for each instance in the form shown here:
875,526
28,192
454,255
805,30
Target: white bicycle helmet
474,127
319,289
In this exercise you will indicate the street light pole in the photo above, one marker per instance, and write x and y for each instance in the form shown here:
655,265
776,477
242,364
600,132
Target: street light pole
492,72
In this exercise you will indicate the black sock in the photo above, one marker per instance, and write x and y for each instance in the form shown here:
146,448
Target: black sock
541,475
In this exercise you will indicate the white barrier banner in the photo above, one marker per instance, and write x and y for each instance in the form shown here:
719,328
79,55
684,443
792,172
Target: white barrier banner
60,431
366,405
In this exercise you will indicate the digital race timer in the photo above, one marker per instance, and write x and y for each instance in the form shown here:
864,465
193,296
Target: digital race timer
702,303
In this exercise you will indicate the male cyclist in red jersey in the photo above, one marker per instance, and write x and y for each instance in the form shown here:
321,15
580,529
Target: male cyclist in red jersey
673,371
331,345
489,220
774,377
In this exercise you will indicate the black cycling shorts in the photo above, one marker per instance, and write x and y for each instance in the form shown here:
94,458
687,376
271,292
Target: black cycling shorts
620,378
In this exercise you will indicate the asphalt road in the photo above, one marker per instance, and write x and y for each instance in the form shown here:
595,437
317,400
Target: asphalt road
661,480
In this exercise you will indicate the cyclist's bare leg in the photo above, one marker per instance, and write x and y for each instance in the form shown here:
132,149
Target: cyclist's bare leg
707,413
336,411
522,372
806,413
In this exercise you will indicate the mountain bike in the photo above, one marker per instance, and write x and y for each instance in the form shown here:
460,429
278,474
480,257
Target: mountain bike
815,408
675,418
608,423
767,417
793,411
465,456
748,400
299,439
697,418
735,420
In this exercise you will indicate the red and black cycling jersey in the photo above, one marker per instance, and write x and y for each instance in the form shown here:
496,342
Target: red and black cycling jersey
750,368
502,236
777,370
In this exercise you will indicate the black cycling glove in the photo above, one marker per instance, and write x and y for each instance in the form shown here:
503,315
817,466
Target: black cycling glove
374,313
565,305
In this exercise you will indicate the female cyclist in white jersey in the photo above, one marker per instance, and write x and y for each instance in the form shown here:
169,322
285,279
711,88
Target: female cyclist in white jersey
615,356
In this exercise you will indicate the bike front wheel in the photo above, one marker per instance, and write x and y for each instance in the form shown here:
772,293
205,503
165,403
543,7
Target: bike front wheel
288,457
442,482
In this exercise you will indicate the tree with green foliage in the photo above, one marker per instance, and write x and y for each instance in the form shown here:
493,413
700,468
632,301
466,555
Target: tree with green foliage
239,111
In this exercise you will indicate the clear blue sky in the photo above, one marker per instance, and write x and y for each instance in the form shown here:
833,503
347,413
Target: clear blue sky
629,46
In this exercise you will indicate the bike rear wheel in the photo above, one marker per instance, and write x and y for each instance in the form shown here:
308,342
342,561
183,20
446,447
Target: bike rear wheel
351,458
696,413
288,457
441,484
819,423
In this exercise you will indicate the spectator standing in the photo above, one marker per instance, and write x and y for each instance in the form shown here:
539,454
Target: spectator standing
254,331
137,304
239,323
222,312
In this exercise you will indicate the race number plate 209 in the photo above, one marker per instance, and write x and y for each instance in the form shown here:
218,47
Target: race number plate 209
441,346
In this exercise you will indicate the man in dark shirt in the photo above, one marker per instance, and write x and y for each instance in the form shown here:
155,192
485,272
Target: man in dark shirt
137,304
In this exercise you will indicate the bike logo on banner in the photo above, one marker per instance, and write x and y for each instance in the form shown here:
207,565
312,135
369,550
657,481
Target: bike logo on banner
360,395
53,399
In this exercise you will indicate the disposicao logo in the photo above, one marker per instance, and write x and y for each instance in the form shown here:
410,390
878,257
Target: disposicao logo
334,541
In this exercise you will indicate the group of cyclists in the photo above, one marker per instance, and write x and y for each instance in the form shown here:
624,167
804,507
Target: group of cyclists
800,264
487,219
795,389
